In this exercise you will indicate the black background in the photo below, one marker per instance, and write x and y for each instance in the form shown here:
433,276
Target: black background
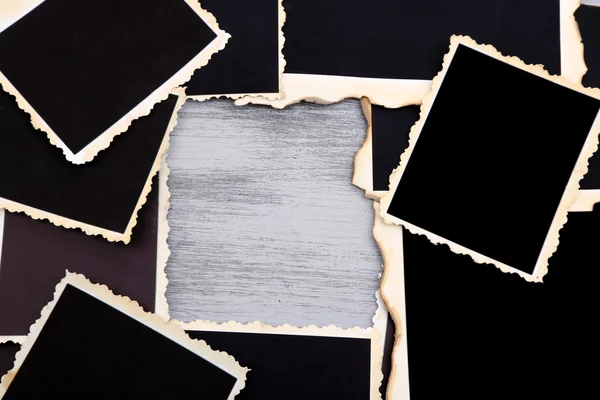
484,157
90,350
84,64
475,332
249,63
103,193
407,39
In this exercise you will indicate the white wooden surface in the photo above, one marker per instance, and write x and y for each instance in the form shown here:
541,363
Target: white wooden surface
265,224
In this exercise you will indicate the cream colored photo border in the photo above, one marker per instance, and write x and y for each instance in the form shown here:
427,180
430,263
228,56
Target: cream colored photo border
268,96
395,93
326,331
571,190
161,306
389,241
132,309
104,140
111,236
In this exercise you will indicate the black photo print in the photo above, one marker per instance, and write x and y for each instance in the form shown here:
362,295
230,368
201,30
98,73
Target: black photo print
299,363
91,344
481,333
492,124
389,50
252,62
101,198
84,70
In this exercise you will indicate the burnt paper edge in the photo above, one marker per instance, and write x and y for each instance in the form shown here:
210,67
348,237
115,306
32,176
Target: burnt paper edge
389,241
326,331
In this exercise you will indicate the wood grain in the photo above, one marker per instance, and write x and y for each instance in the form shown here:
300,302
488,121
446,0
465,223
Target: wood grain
265,223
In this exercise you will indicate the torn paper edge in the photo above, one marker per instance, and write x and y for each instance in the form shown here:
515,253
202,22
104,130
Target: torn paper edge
389,241
312,330
326,89
571,189
362,176
381,325
282,62
111,236
395,93
132,309
161,306
144,108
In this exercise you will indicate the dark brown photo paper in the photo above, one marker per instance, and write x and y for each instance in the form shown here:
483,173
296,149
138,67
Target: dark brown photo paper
490,125
35,254
252,62
84,70
299,363
101,198
480,333
91,344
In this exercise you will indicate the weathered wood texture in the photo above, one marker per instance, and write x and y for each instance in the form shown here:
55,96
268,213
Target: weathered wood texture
265,224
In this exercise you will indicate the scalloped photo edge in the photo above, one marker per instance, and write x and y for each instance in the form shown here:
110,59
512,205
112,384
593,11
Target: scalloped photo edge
268,96
389,241
395,93
111,236
131,308
569,195
144,108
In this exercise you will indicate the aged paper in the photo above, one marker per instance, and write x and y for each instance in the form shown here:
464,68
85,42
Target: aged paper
389,241
142,109
170,330
570,193
395,93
